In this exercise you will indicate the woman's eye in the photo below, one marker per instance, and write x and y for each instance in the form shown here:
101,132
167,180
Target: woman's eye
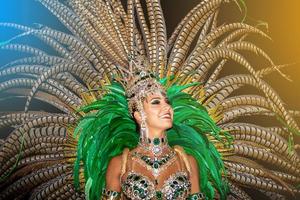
168,102
155,102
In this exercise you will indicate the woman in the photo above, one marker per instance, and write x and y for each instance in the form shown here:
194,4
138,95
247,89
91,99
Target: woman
100,92
151,163
140,163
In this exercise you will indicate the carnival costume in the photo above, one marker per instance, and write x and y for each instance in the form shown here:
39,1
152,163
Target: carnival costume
99,76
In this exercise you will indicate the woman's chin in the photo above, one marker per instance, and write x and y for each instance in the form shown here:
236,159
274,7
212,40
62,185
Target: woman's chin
167,126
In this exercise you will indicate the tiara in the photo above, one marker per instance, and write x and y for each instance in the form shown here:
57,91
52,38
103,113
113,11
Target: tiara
138,82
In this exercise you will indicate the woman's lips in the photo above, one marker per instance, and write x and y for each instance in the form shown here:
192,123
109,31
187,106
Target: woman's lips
166,116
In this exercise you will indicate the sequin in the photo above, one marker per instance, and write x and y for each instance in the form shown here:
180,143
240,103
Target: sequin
176,187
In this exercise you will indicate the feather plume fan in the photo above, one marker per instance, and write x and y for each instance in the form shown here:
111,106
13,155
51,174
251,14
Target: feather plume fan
63,153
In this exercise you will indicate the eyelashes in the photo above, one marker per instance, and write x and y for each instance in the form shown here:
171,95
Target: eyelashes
157,101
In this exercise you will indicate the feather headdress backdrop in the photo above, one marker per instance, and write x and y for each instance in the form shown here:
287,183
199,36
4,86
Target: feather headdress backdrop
74,116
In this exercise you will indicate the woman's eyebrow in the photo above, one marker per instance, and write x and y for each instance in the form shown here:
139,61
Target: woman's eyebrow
155,98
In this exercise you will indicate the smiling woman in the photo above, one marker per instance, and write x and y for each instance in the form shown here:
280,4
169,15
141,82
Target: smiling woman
158,114
153,167
131,112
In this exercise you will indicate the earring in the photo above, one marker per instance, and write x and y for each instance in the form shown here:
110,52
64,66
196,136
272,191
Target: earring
144,132
143,128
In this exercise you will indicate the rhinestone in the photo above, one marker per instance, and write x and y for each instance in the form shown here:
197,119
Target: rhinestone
143,73
155,165
156,150
156,141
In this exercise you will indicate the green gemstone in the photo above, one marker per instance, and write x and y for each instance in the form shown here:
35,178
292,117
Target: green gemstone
156,141
158,195
155,165
114,194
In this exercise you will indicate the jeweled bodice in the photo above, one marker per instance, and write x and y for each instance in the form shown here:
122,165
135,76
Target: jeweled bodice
137,186
165,177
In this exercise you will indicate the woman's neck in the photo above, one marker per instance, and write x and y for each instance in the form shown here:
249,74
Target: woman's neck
153,133
156,144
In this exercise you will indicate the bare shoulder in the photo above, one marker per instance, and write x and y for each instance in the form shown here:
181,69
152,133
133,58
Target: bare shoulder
116,160
113,173
115,164
192,160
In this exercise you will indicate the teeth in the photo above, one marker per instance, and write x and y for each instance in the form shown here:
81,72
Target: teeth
166,115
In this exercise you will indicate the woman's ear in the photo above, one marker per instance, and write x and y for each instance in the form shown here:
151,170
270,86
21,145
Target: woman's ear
137,116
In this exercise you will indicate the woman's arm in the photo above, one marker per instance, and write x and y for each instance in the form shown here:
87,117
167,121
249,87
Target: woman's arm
113,173
194,179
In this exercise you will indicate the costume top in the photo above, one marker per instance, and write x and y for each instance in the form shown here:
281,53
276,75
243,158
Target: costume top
175,181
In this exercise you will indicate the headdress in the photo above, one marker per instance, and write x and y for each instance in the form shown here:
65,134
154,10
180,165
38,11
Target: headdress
139,82
79,80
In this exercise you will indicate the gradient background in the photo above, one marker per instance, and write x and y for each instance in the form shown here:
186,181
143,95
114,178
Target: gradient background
282,17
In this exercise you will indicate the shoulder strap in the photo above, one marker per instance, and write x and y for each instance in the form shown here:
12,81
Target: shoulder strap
124,161
183,156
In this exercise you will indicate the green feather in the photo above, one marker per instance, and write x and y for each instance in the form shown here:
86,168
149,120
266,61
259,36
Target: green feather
105,133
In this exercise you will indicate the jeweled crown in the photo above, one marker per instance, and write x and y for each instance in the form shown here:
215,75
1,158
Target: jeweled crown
139,82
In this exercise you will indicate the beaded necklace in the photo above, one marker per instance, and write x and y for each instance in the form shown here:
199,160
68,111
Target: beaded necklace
158,163
155,165
155,146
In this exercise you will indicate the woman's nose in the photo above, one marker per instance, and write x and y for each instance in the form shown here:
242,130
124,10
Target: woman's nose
166,107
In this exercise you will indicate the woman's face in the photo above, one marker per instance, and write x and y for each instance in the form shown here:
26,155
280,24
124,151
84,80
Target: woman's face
159,113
